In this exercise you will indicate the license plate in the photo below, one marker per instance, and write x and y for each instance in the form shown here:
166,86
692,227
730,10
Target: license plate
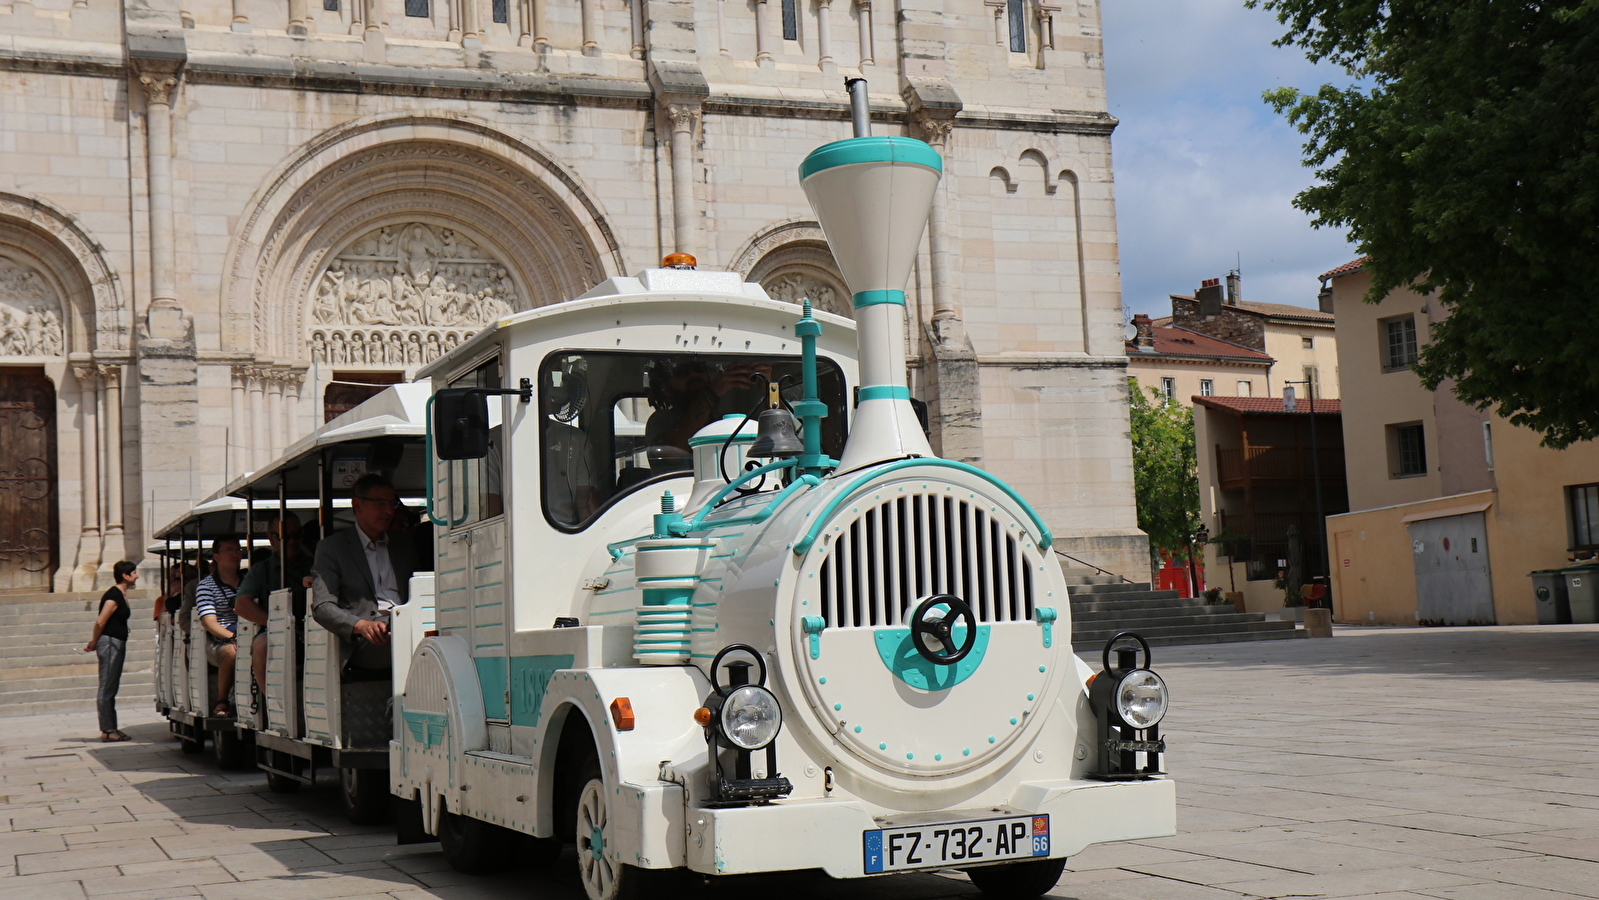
956,843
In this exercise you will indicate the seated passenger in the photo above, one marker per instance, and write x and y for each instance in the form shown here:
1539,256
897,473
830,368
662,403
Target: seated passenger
265,577
686,394
360,575
570,492
213,603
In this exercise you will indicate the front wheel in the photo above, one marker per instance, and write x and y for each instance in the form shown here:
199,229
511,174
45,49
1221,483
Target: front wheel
1018,881
366,795
279,783
603,874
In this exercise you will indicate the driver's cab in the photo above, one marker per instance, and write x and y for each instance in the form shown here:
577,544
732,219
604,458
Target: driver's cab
556,431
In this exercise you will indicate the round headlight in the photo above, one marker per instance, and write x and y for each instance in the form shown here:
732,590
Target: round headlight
1141,699
751,717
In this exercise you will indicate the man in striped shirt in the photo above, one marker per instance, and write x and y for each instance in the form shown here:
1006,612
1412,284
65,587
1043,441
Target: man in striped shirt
213,603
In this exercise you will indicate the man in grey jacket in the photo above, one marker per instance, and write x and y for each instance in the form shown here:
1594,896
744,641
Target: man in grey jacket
360,574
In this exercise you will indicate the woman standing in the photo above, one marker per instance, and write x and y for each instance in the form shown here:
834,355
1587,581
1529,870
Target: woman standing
110,642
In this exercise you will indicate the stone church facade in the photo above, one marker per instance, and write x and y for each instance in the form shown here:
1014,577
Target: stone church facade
219,218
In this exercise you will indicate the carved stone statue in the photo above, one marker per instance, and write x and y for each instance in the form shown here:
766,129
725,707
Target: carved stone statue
30,317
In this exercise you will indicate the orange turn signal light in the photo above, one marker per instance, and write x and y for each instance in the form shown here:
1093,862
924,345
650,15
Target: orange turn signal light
622,713
1090,682
702,716
430,633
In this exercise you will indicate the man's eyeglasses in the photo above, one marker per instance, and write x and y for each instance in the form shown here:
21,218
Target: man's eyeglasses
380,503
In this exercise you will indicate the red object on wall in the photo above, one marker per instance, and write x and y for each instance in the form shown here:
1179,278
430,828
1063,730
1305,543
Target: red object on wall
1173,576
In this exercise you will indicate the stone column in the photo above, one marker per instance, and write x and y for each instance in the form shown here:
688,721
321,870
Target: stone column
684,227
637,50
298,13
763,52
236,462
111,379
293,384
1001,32
824,36
259,451
167,368
864,11
89,537
955,386
241,20
452,14
275,413
591,27
1046,23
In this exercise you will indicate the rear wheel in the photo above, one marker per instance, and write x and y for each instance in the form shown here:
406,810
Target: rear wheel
472,845
278,783
228,750
191,746
1021,881
366,795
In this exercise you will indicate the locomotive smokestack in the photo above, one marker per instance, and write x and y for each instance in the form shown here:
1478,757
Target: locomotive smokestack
872,196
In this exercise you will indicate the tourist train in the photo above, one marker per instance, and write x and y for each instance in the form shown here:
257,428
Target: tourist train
701,597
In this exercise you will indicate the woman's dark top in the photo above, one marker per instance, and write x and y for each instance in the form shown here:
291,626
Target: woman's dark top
117,625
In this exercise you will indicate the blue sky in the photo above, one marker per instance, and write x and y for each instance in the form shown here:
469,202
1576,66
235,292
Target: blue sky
1206,171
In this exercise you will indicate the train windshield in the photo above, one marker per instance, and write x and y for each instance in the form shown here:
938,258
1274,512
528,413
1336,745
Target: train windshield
613,422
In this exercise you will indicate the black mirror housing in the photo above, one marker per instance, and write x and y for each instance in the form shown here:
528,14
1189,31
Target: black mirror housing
461,423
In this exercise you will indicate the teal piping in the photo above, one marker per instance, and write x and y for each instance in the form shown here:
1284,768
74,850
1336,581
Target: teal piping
885,392
805,481
852,151
842,497
809,409
878,298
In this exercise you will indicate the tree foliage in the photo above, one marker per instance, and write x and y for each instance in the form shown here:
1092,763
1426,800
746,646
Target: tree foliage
1465,160
1165,470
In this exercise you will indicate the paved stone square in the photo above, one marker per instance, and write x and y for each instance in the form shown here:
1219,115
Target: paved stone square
1400,764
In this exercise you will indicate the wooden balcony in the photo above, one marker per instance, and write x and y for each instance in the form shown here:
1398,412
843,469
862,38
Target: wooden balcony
1262,466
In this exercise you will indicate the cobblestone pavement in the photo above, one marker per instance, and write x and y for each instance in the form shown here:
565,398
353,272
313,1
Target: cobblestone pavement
1401,764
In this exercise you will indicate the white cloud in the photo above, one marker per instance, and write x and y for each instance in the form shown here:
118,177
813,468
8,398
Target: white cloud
1205,171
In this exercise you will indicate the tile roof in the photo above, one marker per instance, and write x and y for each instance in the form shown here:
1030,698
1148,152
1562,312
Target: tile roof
1348,268
1182,342
1268,405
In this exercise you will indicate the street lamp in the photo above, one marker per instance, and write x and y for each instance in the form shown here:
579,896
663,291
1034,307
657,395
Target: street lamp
1200,537
1289,405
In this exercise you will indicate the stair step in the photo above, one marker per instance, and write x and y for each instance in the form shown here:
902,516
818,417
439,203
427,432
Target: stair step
1225,637
1117,588
1152,630
1114,596
1088,606
1161,617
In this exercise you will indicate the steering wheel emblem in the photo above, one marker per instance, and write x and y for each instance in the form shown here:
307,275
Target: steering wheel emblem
933,629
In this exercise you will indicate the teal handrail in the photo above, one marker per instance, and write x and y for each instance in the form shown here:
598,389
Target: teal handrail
839,499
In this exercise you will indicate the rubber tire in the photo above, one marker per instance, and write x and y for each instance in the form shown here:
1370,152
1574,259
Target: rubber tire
228,750
365,793
191,746
1018,881
281,784
472,845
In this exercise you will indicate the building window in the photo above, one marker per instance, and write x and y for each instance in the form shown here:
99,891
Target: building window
1399,348
417,9
1407,450
790,20
1168,389
1488,444
502,11
1246,389
1582,508
1207,388
1312,377
1307,343
1018,25
330,5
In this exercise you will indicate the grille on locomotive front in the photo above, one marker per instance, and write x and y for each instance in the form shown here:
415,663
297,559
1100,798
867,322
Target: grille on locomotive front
894,555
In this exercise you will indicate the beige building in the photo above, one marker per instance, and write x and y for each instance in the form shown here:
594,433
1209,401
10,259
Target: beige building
1302,341
1183,364
1452,506
215,217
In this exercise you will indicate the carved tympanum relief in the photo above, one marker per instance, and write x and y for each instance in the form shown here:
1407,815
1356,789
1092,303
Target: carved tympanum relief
405,293
30,313
795,286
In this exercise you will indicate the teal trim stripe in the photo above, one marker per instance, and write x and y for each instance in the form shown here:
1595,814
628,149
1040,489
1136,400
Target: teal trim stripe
885,392
842,497
491,676
863,299
852,151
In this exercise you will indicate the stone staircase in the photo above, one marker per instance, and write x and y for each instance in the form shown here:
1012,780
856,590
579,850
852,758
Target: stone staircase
1103,605
43,668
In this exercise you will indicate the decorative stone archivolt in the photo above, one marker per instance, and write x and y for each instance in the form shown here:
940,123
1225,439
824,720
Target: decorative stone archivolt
792,262
30,312
90,312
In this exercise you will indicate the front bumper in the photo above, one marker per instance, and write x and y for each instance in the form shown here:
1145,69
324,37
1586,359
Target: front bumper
827,834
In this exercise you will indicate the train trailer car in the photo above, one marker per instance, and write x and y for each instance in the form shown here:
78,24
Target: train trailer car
789,639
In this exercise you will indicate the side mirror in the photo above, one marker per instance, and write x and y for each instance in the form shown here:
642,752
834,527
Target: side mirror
461,423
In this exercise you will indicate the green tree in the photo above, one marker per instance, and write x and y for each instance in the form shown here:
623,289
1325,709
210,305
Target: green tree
1464,159
1165,470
